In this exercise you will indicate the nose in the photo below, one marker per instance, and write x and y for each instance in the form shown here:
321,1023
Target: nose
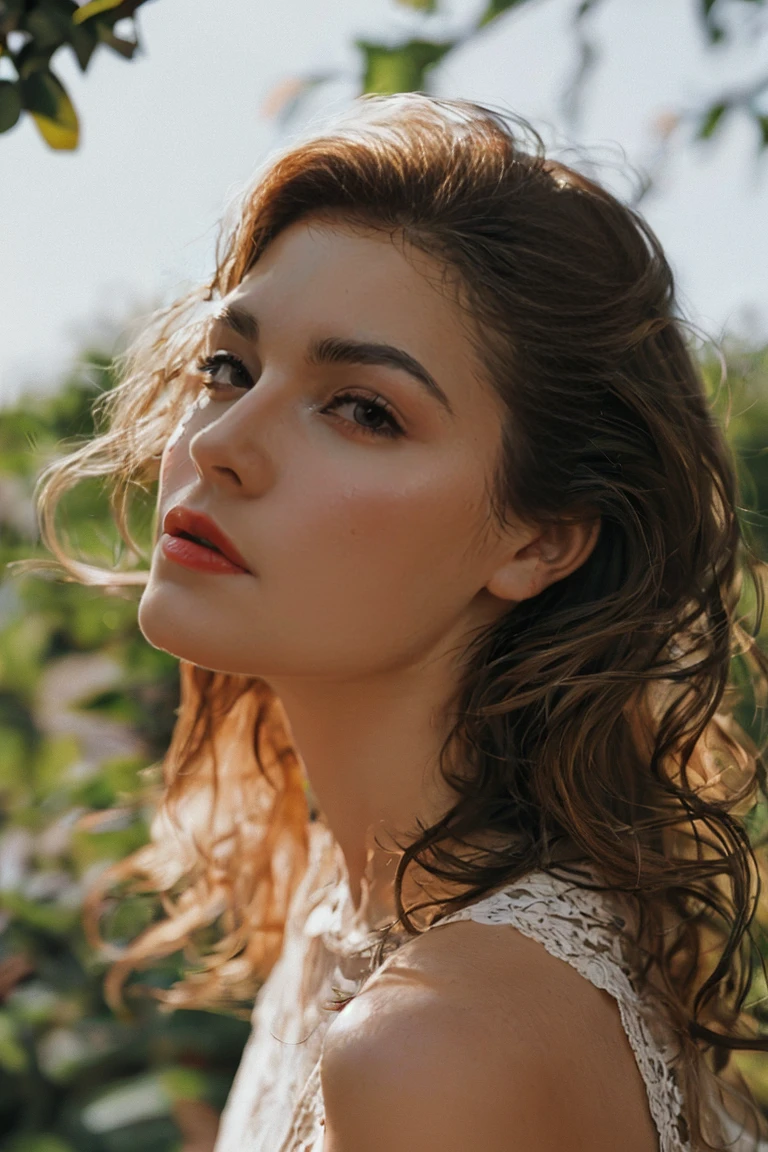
229,451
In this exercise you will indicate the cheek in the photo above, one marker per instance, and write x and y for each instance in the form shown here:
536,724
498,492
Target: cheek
396,536
177,472
176,466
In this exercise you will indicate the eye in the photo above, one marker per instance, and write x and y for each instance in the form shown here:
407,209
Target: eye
222,370
374,407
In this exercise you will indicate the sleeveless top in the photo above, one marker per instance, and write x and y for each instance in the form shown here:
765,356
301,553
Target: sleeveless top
276,1104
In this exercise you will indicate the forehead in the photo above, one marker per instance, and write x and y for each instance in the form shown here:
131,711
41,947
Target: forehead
322,276
330,253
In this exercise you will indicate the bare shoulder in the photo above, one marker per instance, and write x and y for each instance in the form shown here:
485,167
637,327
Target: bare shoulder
472,1036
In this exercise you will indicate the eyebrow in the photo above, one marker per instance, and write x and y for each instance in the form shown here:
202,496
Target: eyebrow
339,350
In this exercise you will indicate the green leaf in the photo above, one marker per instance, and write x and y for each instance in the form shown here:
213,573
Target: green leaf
48,918
14,754
46,98
94,8
43,29
23,645
123,47
32,59
39,94
496,8
585,8
11,12
10,104
711,120
83,41
183,1083
400,69
419,5
13,1055
49,22
762,123
713,30
54,756
43,1143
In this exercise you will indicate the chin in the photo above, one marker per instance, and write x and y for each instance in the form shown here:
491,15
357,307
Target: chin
172,626
165,624
160,633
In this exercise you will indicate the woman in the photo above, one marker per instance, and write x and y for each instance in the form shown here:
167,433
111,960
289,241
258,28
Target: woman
446,545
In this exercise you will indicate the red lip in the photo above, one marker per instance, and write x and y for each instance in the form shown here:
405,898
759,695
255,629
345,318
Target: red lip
180,519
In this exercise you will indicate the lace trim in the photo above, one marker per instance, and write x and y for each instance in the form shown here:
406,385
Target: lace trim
307,1131
577,925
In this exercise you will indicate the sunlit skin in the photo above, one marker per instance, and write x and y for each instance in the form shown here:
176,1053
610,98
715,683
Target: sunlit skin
373,558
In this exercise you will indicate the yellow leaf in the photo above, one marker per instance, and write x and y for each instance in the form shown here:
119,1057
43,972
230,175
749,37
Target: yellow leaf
93,9
60,134
46,99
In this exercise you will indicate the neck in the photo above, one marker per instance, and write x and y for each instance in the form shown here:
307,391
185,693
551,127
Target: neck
370,750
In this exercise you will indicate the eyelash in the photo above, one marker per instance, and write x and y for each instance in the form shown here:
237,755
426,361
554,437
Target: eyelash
208,364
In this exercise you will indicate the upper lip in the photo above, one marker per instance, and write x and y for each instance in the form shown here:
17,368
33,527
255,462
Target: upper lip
180,519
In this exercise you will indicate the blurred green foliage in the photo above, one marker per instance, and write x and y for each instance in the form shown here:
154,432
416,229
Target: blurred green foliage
404,63
86,712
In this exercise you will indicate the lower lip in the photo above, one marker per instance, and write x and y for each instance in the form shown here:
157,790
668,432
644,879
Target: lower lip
198,557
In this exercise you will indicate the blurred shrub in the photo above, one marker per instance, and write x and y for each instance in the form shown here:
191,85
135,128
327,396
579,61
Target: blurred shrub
86,710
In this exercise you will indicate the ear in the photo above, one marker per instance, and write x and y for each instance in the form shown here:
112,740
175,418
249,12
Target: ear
544,556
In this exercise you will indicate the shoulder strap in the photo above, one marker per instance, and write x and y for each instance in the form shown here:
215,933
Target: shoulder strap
580,926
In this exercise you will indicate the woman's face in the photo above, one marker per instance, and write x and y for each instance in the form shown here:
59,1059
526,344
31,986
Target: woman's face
365,530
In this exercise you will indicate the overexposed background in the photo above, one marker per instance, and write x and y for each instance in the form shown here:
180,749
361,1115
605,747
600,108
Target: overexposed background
91,238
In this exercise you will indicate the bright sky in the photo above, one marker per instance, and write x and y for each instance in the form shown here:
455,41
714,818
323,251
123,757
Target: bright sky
129,219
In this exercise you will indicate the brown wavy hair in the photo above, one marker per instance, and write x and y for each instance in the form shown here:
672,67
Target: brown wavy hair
599,714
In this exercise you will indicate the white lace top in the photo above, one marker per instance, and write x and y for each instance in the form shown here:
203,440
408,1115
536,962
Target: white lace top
276,1103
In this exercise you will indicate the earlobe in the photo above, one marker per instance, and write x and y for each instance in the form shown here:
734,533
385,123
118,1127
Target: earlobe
517,577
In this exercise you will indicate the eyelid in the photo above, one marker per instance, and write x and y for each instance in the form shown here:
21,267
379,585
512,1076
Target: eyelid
376,402
396,421
206,363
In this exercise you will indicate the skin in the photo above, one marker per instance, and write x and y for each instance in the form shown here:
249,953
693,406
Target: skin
473,1037
374,561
